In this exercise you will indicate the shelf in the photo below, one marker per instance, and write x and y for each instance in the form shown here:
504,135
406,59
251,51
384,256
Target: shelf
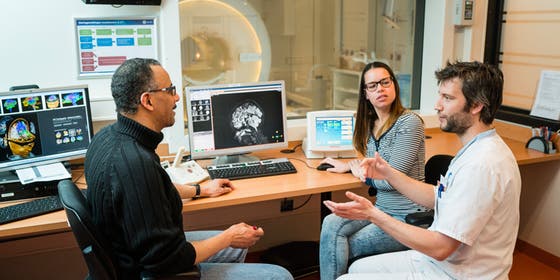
347,90
299,98
346,71
342,107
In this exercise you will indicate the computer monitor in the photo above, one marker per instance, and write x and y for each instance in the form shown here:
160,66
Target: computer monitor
41,126
228,121
329,134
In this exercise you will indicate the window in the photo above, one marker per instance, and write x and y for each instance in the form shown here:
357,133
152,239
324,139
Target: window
519,40
318,47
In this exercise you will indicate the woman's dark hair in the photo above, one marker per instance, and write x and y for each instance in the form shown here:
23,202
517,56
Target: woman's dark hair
366,115
130,80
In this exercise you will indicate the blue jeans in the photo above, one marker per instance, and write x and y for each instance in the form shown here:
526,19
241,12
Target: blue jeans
228,263
343,240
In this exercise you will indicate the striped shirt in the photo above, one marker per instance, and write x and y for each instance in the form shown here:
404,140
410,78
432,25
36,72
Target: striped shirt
403,147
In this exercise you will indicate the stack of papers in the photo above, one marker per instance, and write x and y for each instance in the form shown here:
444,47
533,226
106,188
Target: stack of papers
43,173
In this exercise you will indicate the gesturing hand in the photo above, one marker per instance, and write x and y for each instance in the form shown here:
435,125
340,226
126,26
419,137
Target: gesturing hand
376,167
359,208
356,169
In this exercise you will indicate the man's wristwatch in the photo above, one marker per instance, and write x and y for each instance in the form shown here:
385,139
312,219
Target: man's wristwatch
197,193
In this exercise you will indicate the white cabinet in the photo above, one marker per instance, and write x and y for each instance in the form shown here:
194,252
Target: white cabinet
346,87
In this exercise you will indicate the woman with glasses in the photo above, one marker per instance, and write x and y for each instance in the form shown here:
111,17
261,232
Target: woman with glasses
382,125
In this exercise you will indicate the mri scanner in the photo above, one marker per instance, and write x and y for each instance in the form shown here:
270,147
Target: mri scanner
222,41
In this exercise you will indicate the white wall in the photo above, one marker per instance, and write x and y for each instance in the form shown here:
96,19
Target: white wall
38,46
444,41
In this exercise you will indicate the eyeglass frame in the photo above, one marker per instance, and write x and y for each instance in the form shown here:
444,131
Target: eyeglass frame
375,85
171,90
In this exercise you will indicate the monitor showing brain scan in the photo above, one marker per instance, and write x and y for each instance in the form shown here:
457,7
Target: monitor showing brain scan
236,118
42,126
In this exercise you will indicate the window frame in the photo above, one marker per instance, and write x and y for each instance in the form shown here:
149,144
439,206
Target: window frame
492,53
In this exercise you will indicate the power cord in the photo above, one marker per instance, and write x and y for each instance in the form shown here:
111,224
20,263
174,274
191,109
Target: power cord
305,202
304,162
290,151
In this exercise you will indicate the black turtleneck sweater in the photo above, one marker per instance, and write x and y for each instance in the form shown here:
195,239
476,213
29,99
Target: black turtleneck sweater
134,203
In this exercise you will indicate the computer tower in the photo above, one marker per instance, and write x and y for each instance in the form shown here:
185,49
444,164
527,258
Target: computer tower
12,189
124,2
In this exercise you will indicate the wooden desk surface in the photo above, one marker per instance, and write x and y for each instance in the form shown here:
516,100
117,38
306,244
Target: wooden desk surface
448,143
306,181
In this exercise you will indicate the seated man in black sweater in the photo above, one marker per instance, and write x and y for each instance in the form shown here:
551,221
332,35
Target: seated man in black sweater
135,204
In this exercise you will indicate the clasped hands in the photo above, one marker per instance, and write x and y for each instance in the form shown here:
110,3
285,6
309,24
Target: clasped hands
243,235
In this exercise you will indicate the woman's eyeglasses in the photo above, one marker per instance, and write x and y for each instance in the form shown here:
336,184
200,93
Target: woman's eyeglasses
385,82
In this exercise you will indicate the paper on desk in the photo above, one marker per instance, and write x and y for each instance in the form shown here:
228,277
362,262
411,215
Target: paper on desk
42,173
547,100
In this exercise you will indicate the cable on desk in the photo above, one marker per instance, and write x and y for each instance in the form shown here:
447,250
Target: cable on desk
303,204
308,166
292,150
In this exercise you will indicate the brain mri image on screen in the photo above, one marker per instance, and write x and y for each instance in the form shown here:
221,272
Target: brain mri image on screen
53,101
246,120
19,136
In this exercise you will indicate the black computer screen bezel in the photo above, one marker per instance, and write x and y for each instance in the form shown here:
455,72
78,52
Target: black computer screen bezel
60,112
239,89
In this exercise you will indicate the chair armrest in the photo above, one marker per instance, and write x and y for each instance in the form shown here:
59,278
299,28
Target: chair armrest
421,219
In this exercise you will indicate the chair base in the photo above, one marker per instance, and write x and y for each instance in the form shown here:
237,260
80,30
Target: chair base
300,258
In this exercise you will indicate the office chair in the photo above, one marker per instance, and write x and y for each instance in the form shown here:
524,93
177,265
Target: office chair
437,165
94,247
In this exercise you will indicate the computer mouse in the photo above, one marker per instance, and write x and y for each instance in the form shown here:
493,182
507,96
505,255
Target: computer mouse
324,166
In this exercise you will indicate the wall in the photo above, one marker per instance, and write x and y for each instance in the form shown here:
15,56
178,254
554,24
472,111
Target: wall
540,205
443,41
39,47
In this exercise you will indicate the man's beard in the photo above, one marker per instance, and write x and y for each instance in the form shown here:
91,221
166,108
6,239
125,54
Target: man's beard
458,123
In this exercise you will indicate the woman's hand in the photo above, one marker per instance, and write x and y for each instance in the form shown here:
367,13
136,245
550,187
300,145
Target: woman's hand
376,167
338,166
356,169
216,188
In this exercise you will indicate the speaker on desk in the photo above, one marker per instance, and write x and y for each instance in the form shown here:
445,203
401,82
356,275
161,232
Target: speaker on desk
124,2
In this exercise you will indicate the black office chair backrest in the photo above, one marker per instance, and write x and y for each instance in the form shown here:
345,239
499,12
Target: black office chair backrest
435,167
95,248
97,257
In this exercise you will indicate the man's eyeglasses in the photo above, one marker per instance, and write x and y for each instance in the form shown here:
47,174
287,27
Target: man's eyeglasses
170,90
385,82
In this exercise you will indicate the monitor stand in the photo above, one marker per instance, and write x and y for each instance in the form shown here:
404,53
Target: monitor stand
237,158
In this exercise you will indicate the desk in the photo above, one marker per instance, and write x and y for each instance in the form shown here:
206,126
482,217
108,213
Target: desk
305,182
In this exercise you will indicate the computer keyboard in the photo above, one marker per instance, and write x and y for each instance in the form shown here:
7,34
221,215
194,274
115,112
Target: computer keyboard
30,209
251,169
